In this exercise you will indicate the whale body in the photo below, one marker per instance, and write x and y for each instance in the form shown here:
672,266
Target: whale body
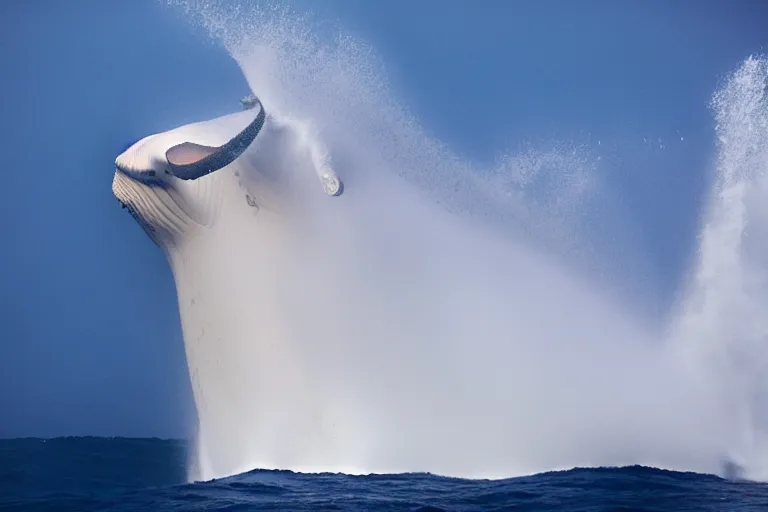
191,189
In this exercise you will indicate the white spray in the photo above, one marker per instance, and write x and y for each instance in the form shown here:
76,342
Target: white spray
419,324
721,329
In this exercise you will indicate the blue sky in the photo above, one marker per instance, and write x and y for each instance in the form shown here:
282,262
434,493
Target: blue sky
89,335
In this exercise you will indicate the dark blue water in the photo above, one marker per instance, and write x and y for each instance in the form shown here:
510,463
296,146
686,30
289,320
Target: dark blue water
68,474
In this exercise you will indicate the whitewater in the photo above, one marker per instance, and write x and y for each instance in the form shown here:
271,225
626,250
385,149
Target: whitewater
444,317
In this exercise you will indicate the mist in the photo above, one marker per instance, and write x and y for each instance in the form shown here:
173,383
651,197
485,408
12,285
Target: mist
440,317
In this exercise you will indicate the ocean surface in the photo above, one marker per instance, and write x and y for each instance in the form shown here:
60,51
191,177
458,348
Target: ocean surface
88,473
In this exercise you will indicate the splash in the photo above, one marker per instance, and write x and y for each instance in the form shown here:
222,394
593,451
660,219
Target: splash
722,326
435,318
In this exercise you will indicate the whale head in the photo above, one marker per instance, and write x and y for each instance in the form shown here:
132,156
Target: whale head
167,181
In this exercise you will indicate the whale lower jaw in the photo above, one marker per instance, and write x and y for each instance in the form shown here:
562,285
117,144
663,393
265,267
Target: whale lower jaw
167,212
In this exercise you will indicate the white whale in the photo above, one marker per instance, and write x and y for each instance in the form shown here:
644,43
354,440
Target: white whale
191,189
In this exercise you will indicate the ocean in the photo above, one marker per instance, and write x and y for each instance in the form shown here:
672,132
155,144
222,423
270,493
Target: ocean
97,473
